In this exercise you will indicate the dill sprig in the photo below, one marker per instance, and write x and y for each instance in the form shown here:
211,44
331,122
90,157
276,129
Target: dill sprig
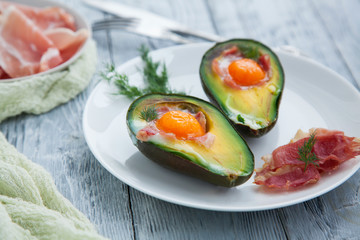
121,81
156,79
305,152
157,82
149,113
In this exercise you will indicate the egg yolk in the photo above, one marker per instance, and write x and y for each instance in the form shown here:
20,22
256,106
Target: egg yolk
246,72
181,124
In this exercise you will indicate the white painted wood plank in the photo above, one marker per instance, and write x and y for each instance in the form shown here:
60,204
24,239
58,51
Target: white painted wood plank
341,19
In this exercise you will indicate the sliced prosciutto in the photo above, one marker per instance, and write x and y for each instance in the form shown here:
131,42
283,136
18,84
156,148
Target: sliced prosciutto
34,40
3,74
68,42
44,18
283,169
24,50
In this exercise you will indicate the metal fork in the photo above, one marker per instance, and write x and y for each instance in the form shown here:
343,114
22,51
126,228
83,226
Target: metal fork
138,27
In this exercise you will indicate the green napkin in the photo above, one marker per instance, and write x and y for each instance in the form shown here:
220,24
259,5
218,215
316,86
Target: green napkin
30,205
42,93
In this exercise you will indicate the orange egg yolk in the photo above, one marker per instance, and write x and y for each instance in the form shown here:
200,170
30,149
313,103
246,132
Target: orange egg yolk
246,72
181,124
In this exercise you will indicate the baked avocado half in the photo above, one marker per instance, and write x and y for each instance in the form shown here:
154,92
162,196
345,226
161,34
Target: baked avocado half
245,79
191,136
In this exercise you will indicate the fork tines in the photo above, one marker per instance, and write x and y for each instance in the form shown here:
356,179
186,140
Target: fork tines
114,23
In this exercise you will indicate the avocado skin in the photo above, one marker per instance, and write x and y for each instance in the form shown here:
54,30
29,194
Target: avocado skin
179,163
244,129
184,166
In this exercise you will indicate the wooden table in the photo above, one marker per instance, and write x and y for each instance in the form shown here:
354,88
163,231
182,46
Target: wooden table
327,31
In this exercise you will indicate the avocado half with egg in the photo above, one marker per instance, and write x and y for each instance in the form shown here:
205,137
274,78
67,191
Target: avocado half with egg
245,79
191,136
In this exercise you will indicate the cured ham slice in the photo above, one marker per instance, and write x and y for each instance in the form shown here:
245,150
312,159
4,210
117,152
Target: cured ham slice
200,116
67,41
44,18
207,140
3,74
148,131
53,17
282,169
51,58
286,177
34,40
22,48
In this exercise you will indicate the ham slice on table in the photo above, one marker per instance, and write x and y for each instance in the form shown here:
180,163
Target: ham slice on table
34,40
282,169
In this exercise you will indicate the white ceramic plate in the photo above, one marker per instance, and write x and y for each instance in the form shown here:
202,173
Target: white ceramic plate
314,96
79,21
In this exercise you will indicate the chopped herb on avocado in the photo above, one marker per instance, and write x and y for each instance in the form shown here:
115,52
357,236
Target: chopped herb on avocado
249,52
240,118
149,114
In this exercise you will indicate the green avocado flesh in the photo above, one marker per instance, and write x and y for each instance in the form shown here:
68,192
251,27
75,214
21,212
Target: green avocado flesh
227,162
253,110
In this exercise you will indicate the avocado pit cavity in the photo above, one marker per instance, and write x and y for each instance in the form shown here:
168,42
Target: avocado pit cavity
173,122
240,72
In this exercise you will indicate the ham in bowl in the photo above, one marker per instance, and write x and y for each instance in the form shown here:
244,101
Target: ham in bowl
38,39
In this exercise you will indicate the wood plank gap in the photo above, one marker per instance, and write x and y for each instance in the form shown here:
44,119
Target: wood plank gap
131,213
19,140
110,49
312,206
6,134
337,50
108,38
109,41
247,31
151,44
213,23
233,215
281,216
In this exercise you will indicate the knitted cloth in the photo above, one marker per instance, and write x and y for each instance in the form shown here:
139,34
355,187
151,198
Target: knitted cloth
30,205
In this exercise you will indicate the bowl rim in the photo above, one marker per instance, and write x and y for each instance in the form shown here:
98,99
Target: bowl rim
77,16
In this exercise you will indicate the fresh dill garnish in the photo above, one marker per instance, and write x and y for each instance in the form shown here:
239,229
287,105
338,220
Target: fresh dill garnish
149,114
156,79
121,81
305,152
250,52
157,82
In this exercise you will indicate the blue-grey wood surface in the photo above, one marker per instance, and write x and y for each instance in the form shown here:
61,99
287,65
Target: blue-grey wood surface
326,30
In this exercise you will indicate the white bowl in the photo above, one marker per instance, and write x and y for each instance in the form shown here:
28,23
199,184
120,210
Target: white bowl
80,22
